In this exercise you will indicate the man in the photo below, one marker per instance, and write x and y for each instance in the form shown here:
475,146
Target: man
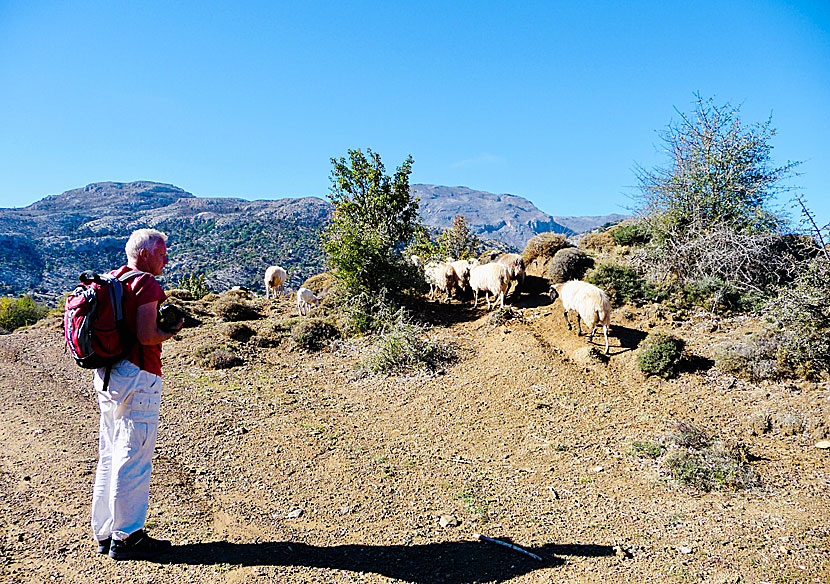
129,410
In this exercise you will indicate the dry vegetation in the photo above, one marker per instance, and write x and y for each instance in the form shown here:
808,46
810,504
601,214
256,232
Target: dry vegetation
292,465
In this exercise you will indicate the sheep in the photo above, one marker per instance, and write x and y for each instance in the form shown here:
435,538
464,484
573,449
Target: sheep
590,303
462,273
515,267
440,276
305,300
416,261
275,278
492,279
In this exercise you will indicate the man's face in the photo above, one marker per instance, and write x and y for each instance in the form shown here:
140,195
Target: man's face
155,261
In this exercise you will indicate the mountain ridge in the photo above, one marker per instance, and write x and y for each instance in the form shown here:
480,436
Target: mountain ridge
45,245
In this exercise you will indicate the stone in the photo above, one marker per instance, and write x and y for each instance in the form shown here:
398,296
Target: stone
448,521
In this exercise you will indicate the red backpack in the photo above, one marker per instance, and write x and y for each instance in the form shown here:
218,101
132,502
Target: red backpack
93,321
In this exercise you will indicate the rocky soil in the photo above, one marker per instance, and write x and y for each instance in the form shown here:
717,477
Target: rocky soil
296,467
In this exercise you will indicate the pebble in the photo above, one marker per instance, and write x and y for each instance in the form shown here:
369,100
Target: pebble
448,521
824,444
294,513
684,549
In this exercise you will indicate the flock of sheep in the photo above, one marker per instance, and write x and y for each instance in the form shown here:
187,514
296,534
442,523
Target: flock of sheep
492,278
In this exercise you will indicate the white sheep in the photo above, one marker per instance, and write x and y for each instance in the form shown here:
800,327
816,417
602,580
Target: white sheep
275,278
590,303
440,276
305,300
462,273
417,261
515,267
492,279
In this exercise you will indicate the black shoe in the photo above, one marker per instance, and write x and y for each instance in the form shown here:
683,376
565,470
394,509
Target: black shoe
139,546
104,546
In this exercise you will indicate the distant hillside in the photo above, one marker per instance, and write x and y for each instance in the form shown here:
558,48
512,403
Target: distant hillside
43,247
47,244
588,222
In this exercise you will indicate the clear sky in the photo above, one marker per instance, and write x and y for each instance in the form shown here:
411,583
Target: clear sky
553,101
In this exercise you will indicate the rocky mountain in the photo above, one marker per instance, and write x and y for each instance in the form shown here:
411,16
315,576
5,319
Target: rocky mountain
47,244
43,247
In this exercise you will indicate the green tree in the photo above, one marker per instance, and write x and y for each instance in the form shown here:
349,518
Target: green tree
458,241
707,212
375,216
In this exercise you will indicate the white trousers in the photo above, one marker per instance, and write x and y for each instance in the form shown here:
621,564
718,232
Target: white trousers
127,438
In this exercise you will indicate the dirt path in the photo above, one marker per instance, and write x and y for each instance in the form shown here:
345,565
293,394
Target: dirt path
526,437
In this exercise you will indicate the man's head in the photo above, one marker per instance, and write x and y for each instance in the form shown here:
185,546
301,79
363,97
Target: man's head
147,251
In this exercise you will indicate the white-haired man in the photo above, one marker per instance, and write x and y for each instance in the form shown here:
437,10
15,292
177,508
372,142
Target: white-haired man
129,410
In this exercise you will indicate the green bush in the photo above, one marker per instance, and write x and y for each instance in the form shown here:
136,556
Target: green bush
660,354
195,284
544,245
630,235
313,333
364,312
18,312
402,346
569,263
620,283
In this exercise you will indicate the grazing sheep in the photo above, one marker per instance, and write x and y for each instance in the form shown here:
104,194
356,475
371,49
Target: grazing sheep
492,279
440,276
275,278
515,267
305,300
462,273
590,303
417,261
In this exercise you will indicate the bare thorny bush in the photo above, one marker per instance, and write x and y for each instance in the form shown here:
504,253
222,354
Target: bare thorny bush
705,212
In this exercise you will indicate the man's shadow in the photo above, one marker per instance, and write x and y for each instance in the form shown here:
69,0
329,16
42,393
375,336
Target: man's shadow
458,562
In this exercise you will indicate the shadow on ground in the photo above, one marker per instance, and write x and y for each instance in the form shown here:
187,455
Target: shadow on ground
629,338
451,563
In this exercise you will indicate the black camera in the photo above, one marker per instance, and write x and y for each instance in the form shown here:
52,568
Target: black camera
169,317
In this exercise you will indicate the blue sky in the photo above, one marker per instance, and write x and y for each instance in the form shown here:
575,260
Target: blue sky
553,101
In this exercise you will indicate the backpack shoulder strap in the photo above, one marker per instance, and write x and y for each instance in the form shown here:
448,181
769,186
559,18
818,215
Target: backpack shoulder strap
131,274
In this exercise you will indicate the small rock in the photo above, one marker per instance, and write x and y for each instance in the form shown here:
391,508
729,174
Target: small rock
598,469
294,513
345,509
684,549
448,521
824,444
553,493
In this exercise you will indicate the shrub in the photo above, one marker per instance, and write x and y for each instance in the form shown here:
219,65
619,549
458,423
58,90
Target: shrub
620,283
695,459
402,345
569,263
212,357
500,316
363,312
753,358
179,294
18,312
313,333
544,245
239,331
660,354
630,235
719,297
234,309
802,313
195,284
599,241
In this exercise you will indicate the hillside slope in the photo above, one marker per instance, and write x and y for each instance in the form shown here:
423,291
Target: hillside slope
525,437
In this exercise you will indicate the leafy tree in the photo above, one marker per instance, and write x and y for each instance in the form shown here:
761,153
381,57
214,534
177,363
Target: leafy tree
375,215
458,241
707,213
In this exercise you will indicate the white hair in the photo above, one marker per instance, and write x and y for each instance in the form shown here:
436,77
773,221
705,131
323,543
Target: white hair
143,239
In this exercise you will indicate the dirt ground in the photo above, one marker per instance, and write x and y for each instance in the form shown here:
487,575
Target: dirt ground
296,467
